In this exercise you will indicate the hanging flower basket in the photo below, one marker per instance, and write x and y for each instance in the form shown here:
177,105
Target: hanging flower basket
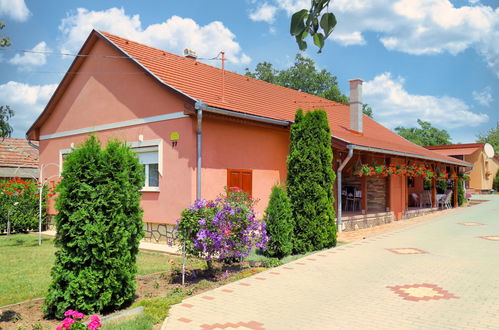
384,171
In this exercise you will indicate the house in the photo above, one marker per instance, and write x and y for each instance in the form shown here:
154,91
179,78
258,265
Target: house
18,158
481,155
198,128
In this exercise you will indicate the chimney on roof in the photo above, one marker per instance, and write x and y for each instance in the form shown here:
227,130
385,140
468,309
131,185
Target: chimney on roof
356,105
189,53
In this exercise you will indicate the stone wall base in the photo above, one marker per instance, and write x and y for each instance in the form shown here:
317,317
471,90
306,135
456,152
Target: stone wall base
159,233
357,222
419,212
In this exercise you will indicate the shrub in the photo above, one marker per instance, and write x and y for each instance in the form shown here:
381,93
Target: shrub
24,214
225,229
278,216
99,226
310,182
270,262
460,192
442,186
496,182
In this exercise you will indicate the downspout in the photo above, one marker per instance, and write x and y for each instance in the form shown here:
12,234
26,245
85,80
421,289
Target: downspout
32,144
199,106
338,178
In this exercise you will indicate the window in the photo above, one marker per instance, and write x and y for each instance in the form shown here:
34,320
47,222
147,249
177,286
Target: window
242,179
148,156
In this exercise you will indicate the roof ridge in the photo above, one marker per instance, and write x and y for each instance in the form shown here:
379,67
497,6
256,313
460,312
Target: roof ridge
321,99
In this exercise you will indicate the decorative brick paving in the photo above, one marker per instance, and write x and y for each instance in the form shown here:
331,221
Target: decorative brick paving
241,325
227,290
183,319
418,292
470,224
490,238
187,305
407,251
207,297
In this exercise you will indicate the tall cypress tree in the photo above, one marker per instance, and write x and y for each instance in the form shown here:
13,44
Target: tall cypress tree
99,226
310,182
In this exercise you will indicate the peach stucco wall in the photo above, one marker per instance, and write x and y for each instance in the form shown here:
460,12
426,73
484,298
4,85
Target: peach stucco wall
234,144
97,99
481,163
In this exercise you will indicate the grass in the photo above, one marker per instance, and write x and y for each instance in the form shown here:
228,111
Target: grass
141,322
25,270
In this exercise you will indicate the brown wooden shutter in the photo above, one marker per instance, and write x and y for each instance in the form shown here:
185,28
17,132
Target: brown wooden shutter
242,179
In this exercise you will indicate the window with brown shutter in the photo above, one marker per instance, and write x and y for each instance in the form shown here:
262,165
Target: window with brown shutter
241,179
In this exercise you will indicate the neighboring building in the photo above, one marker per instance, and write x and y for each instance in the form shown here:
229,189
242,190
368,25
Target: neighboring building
198,128
481,155
18,158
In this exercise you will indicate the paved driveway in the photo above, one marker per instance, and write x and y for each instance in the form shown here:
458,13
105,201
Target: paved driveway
443,273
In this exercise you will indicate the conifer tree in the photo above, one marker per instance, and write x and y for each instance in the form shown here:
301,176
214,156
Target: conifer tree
310,182
278,217
99,226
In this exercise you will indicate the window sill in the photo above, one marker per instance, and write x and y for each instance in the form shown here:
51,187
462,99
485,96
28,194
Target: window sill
150,189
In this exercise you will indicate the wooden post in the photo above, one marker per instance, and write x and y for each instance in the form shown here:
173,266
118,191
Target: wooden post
364,194
434,188
388,187
454,175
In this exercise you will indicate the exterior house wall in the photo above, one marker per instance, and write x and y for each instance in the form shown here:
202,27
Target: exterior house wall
92,100
478,179
235,144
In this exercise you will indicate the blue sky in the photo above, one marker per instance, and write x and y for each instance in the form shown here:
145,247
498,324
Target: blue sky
437,60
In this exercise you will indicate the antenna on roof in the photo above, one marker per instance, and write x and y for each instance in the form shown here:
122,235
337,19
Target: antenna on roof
189,53
223,75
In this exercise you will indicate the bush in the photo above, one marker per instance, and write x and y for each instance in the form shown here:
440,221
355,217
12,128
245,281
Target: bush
270,263
99,227
496,182
460,192
441,186
24,214
310,182
278,216
225,229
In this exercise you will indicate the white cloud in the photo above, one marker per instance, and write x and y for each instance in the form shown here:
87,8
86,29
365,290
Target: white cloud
174,35
394,106
415,27
264,13
27,101
28,59
484,97
15,9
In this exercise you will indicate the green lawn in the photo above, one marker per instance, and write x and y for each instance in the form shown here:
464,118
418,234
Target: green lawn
25,266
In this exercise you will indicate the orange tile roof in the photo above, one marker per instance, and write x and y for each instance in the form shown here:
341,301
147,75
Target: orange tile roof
18,153
242,94
456,151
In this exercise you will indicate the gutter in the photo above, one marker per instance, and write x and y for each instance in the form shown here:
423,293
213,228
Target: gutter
240,115
338,178
32,144
405,154
199,106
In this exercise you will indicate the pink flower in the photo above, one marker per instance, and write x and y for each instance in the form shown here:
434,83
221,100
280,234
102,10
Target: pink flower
78,315
69,312
59,328
95,318
67,322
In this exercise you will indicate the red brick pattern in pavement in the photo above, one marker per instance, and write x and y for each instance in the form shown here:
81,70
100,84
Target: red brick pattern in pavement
490,238
407,251
470,224
424,291
246,325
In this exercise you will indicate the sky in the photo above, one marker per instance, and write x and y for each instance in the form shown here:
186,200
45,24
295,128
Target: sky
435,60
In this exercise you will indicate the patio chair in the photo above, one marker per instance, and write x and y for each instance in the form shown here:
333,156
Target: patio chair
445,201
425,199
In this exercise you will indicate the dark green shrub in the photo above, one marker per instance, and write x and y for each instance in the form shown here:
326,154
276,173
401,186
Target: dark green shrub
496,182
99,226
441,186
310,182
460,192
279,219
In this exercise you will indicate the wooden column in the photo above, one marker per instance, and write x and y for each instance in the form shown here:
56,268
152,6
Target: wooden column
387,187
434,188
454,175
363,183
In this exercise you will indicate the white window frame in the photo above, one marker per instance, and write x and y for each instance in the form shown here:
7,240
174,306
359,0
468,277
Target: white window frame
139,146
148,146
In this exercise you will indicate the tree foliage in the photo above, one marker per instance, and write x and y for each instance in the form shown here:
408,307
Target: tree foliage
99,227
279,218
310,182
5,111
427,135
317,22
302,76
491,136
5,114
4,41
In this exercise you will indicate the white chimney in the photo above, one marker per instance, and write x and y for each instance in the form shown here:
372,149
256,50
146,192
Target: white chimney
356,105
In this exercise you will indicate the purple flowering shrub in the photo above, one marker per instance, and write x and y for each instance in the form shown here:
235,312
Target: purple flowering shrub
225,229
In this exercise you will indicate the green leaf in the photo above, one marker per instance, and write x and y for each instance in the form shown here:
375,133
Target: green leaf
319,40
328,22
301,43
297,24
